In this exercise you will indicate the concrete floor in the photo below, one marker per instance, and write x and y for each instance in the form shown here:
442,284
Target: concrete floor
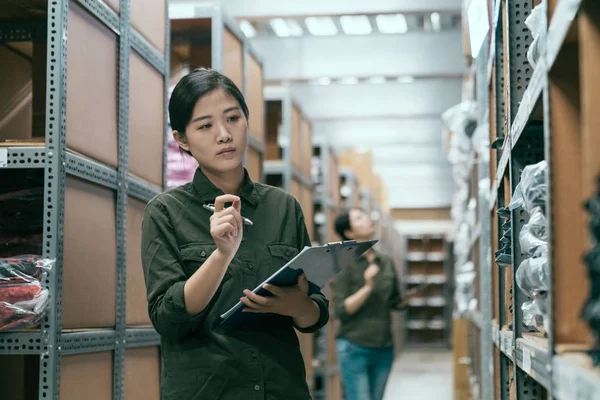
421,375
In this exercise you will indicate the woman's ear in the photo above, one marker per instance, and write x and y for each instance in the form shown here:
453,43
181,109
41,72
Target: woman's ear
181,140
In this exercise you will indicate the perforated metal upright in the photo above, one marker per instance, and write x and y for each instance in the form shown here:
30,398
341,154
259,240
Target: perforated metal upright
485,253
51,343
284,137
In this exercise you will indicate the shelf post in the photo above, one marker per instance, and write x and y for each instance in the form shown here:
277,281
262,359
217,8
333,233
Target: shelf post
54,182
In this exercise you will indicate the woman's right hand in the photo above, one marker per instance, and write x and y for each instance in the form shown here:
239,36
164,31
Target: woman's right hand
370,274
226,226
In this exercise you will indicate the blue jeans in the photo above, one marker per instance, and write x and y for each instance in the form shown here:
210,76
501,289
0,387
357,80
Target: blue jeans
365,370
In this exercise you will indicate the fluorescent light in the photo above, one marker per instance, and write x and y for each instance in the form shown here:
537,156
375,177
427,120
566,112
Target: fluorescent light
280,27
295,28
391,23
247,28
377,79
324,81
436,22
356,24
321,26
349,80
405,79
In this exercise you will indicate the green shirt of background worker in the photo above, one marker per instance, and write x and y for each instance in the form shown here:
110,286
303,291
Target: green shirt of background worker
364,295
198,264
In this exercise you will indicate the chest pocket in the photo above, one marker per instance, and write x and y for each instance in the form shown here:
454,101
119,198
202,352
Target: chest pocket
194,255
280,255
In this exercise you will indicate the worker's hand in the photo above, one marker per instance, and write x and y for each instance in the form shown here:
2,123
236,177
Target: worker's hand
290,301
226,226
370,274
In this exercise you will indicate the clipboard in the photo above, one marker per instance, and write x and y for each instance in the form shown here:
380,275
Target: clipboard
319,263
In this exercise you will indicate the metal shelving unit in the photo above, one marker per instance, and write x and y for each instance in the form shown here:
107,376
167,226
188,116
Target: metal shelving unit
539,120
436,301
326,193
326,206
204,36
285,166
50,342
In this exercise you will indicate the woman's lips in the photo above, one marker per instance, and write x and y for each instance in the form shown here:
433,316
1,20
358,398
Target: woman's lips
227,153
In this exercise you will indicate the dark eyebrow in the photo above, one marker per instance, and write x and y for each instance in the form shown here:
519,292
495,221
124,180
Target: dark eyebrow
201,118
210,116
230,109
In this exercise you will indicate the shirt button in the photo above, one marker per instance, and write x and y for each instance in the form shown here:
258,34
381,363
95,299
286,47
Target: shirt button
257,387
203,253
288,253
243,239
250,266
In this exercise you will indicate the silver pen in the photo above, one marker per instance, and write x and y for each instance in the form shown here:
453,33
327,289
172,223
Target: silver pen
211,207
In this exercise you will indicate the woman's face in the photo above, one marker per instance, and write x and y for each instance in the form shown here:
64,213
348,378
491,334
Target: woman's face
217,134
361,224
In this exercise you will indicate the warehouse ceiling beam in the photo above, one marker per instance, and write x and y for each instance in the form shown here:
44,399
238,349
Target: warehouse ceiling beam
390,57
270,9
382,132
339,101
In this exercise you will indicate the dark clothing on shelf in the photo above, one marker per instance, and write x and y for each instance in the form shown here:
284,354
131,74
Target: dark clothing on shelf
370,326
22,297
203,359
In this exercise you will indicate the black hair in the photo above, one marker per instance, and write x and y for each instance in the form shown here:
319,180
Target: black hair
342,224
194,86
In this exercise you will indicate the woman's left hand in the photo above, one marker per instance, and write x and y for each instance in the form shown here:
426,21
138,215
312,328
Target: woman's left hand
290,301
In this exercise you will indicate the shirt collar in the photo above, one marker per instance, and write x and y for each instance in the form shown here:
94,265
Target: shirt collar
208,191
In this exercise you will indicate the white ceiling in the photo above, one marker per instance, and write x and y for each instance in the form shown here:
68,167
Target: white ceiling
399,122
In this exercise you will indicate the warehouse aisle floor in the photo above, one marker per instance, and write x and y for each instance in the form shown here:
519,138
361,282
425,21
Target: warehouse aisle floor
421,375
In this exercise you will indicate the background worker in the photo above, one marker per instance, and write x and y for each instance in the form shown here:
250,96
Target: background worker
364,295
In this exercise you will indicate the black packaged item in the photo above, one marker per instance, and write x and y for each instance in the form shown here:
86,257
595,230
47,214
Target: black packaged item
591,310
503,212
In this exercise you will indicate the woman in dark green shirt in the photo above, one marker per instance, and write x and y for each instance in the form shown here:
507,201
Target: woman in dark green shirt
198,264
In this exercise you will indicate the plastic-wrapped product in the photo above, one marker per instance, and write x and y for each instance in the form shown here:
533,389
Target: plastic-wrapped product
481,141
534,234
533,275
471,215
532,315
23,300
462,241
464,288
461,120
535,23
516,199
532,190
533,186
533,279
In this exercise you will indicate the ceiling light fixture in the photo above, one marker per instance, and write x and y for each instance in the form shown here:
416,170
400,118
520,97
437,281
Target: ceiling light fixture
436,22
324,81
280,27
349,80
247,28
377,79
356,25
391,23
321,26
405,79
295,28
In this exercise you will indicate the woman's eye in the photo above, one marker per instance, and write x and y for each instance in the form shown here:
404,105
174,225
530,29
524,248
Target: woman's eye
233,118
204,127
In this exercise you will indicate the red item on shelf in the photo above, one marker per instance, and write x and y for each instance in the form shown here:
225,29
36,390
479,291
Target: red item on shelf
23,300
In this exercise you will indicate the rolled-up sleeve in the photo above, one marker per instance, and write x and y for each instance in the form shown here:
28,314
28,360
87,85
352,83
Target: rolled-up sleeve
164,276
314,291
